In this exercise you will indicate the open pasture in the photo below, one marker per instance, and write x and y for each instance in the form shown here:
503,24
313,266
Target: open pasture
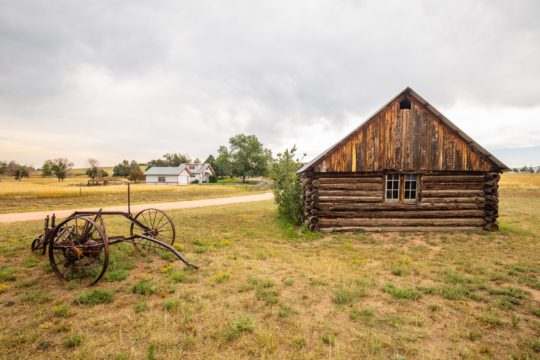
38,193
266,290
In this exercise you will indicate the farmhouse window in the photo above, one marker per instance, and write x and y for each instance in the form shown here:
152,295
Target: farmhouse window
410,182
161,179
401,188
392,187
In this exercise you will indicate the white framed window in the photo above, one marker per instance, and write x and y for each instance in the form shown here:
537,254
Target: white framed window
161,179
402,188
392,187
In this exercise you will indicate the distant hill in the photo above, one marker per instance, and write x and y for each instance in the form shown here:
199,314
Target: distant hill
519,157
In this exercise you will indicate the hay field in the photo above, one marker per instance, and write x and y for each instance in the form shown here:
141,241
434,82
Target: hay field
39,193
266,290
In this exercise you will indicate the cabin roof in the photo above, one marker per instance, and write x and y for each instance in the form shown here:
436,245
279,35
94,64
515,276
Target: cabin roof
410,92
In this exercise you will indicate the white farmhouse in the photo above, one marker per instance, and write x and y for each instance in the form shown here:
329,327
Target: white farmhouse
183,174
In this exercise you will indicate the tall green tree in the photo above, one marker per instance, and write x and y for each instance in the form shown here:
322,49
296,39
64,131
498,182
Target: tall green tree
93,170
60,168
20,172
170,159
46,168
223,162
286,186
125,168
249,156
212,161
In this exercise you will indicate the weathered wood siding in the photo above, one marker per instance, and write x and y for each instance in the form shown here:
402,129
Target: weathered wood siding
352,201
404,140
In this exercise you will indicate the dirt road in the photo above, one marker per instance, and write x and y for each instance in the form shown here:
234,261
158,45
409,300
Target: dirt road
40,215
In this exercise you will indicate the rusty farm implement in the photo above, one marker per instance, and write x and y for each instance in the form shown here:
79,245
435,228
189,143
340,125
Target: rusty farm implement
79,246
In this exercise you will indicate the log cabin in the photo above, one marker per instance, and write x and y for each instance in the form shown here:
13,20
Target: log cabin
406,168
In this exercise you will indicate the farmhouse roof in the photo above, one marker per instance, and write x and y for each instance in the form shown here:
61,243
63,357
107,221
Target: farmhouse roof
166,170
410,92
201,168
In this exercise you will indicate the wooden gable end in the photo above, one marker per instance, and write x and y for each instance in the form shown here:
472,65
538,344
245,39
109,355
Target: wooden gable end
404,140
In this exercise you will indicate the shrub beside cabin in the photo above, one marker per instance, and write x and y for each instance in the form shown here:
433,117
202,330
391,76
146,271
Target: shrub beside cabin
406,168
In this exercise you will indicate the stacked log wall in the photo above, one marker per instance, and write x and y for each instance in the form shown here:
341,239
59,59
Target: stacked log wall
466,201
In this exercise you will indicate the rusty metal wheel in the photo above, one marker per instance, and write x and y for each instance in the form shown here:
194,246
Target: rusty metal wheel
79,251
157,225
37,245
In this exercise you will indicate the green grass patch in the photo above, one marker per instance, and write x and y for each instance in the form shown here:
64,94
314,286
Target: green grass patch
367,315
242,324
490,318
141,306
116,275
74,341
401,292
94,297
284,310
221,276
36,297
399,271
317,282
270,297
535,345
171,304
268,283
328,338
61,310
455,292
181,276
30,262
288,281
343,297
8,274
144,287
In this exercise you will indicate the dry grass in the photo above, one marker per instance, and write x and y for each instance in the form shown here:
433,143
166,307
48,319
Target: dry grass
265,290
520,182
38,193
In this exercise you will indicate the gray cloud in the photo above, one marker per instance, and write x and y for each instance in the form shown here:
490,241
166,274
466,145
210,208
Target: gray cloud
136,79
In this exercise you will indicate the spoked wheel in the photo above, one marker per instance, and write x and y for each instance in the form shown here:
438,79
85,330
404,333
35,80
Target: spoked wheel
157,225
79,250
38,247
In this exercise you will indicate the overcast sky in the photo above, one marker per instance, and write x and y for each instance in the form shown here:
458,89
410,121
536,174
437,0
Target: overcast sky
132,79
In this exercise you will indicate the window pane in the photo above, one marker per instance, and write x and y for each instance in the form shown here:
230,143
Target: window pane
395,194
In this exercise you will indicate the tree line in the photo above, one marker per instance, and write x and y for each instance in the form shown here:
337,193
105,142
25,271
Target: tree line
526,169
15,170
243,156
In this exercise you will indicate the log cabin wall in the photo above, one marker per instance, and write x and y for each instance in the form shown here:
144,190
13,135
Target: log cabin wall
457,180
445,201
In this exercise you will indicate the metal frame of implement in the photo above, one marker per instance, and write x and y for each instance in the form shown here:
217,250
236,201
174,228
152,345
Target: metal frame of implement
79,245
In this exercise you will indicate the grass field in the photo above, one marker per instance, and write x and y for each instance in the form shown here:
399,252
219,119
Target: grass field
266,290
38,193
